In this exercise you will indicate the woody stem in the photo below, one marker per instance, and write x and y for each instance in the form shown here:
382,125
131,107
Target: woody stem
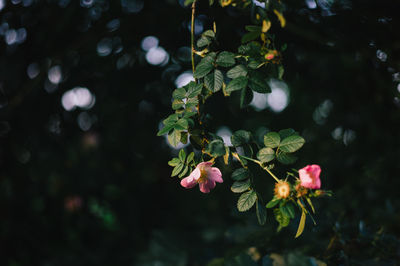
260,164
192,35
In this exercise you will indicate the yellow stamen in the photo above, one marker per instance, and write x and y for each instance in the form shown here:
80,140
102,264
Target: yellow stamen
282,190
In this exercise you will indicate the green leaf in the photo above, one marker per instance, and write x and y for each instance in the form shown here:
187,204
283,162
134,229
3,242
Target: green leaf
209,33
213,81
302,223
188,2
171,119
240,174
216,148
286,158
184,171
253,28
311,205
291,144
236,84
287,209
165,129
203,41
266,155
211,2
246,200
191,102
246,96
261,213
237,71
240,137
179,94
177,169
174,137
184,137
272,140
189,114
177,104
281,71
250,36
194,89
181,124
205,66
190,158
258,83
240,186
226,59
174,162
182,155
281,219
254,64
272,203
284,133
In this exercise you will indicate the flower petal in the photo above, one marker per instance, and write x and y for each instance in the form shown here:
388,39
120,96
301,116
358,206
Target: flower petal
215,174
188,182
315,170
309,176
204,165
206,186
195,175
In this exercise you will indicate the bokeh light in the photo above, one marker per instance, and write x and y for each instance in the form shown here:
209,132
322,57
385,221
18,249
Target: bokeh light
149,42
113,25
259,3
104,47
78,97
2,4
157,56
54,74
259,101
11,36
225,134
277,100
84,121
33,70
184,79
381,55
311,4
132,6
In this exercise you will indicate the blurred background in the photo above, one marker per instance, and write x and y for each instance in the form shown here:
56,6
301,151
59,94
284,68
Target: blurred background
84,180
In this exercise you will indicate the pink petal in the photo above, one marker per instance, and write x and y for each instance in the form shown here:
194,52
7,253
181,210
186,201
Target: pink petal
191,180
315,170
206,186
195,175
215,174
188,182
309,176
204,165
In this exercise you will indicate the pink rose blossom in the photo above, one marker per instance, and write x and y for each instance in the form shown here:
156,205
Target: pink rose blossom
309,176
205,176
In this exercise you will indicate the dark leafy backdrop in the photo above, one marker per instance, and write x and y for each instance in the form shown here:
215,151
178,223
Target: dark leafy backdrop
88,183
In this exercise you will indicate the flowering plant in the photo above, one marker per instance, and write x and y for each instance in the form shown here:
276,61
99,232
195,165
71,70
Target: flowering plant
247,71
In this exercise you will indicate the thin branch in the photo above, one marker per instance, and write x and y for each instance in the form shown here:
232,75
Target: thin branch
192,34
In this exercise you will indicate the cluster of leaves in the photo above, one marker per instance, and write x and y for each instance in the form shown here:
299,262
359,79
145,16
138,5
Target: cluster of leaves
243,141
185,103
182,164
284,209
247,71
280,146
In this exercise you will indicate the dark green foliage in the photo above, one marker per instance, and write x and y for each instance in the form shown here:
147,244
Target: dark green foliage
70,195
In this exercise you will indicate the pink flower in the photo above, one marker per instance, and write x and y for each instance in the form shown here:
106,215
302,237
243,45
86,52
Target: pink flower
309,176
205,176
